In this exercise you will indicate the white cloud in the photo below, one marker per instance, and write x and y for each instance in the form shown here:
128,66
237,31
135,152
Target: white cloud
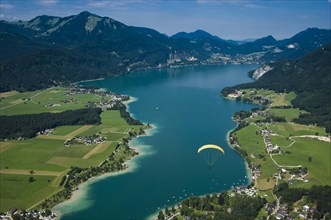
6,6
251,5
47,2
113,4
99,4
240,3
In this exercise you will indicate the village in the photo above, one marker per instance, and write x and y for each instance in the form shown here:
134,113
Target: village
93,140
16,213
109,100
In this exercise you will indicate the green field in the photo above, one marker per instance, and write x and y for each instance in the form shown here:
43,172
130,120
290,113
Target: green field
38,100
287,129
277,99
32,154
253,144
319,168
46,155
17,191
64,130
289,114
250,141
280,141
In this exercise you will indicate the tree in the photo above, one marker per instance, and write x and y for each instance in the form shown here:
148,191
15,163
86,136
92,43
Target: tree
161,215
310,159
173,209
166,211
31,179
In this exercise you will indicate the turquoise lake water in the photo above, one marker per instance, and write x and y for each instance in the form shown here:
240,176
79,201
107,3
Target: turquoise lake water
188,111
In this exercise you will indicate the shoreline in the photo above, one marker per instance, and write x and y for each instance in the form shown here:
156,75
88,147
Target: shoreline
248,170
81,193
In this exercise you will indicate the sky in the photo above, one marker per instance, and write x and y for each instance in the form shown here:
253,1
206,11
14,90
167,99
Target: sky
228,19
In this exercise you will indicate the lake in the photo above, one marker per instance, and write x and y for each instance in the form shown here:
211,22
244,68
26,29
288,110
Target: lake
187,111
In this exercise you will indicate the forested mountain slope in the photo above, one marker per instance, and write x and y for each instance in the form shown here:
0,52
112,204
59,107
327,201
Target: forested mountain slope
309,77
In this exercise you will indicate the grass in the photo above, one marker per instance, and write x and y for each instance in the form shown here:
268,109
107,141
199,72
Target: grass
17,191
32,154
13,98
39,99
114,136
267,194
287,129
289,114
319,168
65,130
74,151
280,141
249,141
254,145
7,94
277,99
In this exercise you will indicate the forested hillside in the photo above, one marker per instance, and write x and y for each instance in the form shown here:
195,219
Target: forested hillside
309,77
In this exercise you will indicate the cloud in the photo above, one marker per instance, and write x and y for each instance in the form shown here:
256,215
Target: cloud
239,3
118,5
99,4
47,2
6,6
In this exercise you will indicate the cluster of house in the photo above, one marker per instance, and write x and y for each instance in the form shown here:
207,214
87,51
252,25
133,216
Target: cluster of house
244,190
261,99
113,96
271,149
72,100
233,141
282,213
33,214
107,104
235,94
50,105
260,113
307,211
85,140
46,132
256,170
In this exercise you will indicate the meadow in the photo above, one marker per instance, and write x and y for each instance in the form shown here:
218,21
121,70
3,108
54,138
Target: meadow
276,99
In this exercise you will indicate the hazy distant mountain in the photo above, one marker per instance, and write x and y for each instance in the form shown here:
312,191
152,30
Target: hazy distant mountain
50,50
197,35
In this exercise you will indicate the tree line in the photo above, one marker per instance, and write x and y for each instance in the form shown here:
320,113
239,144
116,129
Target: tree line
27,126
125,115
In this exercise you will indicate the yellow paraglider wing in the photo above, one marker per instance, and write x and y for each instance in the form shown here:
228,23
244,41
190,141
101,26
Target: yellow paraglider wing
210,153
210,146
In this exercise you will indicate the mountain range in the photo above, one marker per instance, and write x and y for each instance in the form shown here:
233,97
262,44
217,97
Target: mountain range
48,51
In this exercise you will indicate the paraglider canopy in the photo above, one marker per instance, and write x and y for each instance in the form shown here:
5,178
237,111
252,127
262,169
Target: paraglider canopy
210,153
